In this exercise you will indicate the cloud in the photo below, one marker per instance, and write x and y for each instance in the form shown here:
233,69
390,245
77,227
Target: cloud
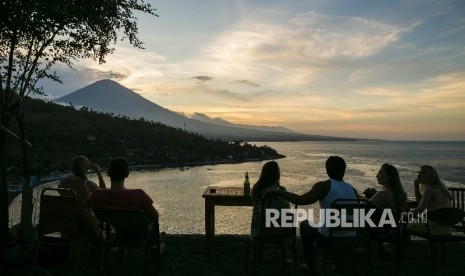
308,48
97,74
202,79
340,36
248,83
311,71
444,92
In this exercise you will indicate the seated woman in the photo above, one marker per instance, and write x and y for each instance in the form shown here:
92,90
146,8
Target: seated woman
431,194
393,195
269,177
83,187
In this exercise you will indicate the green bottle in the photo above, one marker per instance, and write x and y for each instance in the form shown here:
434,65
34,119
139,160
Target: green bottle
246,184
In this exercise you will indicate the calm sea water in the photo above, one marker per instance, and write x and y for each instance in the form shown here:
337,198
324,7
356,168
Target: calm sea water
177,193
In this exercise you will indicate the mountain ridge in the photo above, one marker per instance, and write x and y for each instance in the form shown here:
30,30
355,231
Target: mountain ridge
220,121
111,97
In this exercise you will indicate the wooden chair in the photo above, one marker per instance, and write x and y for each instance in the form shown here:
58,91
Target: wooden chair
354,245
58,222
271,238
458,201
446,217
129,229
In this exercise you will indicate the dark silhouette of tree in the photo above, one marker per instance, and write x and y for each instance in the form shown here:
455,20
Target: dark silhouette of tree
35,35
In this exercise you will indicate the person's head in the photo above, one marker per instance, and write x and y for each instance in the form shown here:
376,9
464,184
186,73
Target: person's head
118,169
429,176
335,167
79,166
388,176
269,176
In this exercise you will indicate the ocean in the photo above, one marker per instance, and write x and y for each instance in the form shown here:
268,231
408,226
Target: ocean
177,193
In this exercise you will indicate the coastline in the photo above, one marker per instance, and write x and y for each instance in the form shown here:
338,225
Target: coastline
57,176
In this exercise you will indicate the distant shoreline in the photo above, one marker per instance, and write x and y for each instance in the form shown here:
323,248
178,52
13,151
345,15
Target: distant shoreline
13,195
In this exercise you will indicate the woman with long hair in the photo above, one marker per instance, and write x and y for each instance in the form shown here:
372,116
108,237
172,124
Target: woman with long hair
431,194
269,177
393,195
430,191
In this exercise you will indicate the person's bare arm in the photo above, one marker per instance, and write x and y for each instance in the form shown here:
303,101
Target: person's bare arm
318,191
101,182
416,186
378,199
424,202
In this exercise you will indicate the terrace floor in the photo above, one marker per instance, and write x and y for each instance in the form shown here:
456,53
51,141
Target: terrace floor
185,255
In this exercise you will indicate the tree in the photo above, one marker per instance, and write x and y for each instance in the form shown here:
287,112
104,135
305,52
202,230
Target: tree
35,35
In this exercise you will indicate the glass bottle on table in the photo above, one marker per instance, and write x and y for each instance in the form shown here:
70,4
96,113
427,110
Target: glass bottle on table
246,184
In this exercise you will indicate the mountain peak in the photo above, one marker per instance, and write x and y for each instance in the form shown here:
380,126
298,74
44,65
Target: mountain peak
108,96
107,82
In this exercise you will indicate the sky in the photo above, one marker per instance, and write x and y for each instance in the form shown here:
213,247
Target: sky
391,69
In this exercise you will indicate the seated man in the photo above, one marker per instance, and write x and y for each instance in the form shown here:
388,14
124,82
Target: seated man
120,198
325,192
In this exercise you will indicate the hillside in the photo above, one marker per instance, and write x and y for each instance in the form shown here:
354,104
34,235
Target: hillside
111,97
222,122
57,133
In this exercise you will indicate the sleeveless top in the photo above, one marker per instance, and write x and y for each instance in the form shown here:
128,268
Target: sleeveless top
339,189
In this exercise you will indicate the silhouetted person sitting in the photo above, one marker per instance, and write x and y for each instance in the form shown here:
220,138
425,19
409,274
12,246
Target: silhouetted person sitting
325,192
269,177
431,194
120,198
83,187
393,195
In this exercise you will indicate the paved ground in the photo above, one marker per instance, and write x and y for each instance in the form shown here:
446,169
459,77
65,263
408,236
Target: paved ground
185,255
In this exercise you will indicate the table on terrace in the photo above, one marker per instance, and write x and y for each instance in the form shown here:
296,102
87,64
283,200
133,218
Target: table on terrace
220,196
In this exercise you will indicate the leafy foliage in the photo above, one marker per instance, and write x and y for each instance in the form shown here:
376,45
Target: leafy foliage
37,34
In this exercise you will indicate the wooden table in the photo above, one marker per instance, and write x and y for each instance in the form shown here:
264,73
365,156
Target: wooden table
220,196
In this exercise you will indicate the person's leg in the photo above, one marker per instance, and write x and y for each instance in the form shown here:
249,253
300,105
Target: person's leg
309,236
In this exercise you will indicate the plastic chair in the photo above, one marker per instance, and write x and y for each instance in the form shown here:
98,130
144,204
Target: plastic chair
446,217
271,238
129,229
357,240
58,222
458,201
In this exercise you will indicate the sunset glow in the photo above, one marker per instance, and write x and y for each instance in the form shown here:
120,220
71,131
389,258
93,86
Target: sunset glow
369,69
